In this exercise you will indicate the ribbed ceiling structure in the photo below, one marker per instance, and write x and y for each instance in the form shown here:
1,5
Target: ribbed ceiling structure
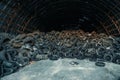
19,16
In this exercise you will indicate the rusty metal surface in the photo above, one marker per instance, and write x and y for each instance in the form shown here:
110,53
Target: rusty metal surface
14,19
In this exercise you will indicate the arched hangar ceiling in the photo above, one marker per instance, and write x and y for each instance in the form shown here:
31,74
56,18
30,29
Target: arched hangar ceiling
47,15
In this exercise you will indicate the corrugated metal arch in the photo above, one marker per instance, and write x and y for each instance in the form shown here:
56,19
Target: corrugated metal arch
18,16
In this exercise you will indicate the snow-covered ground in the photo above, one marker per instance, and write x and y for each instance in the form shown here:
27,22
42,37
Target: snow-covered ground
65,69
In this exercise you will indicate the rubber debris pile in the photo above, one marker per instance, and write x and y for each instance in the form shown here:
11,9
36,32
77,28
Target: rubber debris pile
19,51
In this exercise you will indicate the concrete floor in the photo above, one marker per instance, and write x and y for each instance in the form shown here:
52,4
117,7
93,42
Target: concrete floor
64,69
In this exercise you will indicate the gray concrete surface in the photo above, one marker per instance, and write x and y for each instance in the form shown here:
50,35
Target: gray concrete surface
63,70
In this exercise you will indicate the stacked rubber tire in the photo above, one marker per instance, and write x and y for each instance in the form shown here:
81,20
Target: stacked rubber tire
21,50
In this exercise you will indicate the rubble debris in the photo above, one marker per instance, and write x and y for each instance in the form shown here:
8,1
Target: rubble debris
17,52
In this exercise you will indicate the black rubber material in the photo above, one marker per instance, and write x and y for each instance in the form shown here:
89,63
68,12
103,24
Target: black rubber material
5,37
100,64
108,57
1,71
81,56
93,58
53,57
8,71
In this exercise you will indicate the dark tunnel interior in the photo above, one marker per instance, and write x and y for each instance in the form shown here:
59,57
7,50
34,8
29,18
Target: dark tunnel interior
47,15
56,31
